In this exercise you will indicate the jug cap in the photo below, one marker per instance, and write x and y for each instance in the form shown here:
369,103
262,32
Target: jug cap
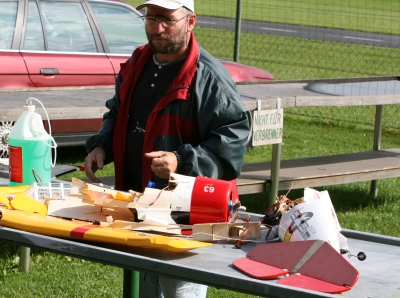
29,108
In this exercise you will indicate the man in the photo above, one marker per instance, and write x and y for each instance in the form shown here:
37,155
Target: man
175,110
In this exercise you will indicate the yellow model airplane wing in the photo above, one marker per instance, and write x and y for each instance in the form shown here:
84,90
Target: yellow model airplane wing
72,229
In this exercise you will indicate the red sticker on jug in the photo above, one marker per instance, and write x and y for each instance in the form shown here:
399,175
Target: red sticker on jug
15,159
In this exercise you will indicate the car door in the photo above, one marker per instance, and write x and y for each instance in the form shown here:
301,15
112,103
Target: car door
13,72
61,46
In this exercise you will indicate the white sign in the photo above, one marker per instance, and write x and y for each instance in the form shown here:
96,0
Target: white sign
267,127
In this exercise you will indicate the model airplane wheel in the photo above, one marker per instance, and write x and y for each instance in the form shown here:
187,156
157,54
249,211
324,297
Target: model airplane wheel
361,256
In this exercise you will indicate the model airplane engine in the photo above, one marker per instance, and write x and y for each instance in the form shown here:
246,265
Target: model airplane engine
202,200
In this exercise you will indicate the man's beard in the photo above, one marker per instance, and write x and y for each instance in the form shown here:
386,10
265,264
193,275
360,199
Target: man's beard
173,46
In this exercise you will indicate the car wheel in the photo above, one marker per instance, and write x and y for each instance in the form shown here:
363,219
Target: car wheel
5,128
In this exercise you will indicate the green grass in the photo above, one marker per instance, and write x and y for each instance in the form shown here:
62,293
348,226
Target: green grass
359,15
56,276
290,58
355,207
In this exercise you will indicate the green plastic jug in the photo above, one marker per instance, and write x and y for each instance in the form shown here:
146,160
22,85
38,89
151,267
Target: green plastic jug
30,156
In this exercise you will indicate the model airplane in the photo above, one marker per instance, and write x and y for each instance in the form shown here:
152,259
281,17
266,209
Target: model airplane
310,264
102,214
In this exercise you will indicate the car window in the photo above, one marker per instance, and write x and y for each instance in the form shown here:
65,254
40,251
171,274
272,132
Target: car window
66,25
123,29
8,15
34,39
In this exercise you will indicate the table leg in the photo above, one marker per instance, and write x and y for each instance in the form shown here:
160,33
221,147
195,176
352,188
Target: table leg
24,258
131,284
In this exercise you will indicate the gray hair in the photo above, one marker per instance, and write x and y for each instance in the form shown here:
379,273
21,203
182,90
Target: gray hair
188,11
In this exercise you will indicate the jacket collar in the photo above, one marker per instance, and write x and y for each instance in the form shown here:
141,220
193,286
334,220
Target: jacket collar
135,65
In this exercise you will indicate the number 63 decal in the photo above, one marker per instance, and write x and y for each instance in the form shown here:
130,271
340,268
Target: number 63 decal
208,188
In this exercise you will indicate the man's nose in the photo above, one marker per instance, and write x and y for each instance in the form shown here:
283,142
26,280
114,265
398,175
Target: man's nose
159,27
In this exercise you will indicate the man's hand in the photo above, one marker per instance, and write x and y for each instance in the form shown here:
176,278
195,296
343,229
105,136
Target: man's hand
93,162
163,163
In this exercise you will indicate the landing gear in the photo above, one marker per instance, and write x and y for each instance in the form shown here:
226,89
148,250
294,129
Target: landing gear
361,256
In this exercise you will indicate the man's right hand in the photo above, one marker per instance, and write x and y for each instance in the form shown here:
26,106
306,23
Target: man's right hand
93,162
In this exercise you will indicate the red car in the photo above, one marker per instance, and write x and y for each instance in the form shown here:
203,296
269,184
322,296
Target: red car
57,43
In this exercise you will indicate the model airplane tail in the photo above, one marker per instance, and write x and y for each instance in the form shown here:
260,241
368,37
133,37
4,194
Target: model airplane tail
310,264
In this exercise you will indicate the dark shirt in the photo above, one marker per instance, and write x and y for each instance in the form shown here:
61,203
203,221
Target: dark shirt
151,87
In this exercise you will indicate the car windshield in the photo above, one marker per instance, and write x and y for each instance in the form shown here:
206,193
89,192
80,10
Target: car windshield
123,29
8,15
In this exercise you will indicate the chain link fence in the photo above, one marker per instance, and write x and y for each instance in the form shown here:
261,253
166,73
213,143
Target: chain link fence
308,39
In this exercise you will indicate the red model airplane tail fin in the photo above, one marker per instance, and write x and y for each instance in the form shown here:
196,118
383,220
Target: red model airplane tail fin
312,264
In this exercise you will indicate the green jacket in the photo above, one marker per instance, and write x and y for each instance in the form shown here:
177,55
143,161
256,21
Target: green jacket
201,119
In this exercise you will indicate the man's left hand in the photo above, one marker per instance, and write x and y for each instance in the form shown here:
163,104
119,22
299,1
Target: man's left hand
163,163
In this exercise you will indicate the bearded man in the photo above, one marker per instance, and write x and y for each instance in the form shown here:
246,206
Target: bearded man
175,110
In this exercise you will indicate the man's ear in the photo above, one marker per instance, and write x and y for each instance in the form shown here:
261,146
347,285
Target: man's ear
191,22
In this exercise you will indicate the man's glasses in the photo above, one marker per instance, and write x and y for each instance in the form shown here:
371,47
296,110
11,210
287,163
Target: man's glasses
165,22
